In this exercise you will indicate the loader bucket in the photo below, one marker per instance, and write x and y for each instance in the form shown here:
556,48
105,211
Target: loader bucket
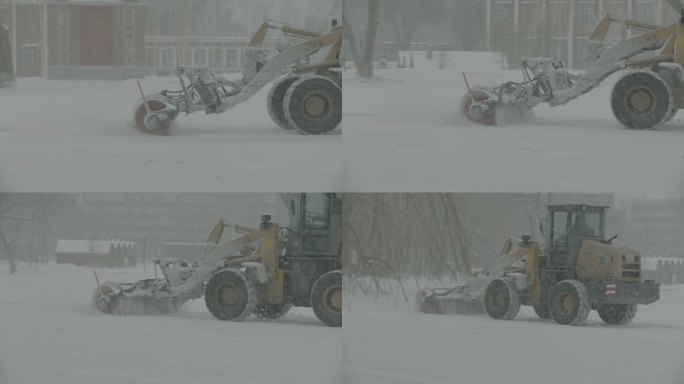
481,106
475,107
443,301
141,298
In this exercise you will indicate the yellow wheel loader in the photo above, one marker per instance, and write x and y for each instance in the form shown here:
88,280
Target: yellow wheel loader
263,271
647,96
306,96
578,271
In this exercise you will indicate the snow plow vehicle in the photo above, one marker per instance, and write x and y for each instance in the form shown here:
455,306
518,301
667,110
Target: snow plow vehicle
647,96
578,271
307,95
263,272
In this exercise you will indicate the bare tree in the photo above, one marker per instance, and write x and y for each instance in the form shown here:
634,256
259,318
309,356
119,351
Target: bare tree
400,235
467,27
403,17
363,60
6,68
3,238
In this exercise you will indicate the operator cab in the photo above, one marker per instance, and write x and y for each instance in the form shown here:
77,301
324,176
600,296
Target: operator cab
314,228
569,226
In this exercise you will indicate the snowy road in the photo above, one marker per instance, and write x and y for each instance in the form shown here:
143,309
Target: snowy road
50,334
75,136
391,342
402,134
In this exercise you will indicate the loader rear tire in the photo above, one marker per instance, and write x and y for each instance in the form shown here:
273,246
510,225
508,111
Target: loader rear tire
230,295
313,105
617,314
326,298
643,100
502,300
569,302
139,113
271,311
276,101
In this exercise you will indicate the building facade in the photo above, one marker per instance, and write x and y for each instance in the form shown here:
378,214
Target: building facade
658,227
147,219
559,29
62,39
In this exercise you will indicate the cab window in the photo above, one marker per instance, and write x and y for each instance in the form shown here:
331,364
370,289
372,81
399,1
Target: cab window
559,229
316,213
587,224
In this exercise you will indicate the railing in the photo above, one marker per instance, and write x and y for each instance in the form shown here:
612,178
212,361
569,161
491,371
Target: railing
221,54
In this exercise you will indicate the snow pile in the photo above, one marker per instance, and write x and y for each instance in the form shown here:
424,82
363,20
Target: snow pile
403,134
49,332
76,136
386,340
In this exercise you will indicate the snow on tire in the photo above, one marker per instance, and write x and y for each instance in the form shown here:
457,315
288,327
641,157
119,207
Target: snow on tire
502,300
617,314
272,311
569,302
230,295
326,298
313,105
643,100
276,100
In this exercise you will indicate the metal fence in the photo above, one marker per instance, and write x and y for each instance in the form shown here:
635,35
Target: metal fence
221,54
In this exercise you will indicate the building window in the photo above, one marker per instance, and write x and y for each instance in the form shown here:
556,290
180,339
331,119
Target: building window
29,55
559,49
530,12
199,57
231,59
559,14
586,14
615,6
215,62
503,10
167,56
645,10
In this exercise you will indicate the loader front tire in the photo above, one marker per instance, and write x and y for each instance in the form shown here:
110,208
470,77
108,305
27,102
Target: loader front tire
502,300
569,302
617,314
272,311
643,100
276,100
230,295
326,298
313,105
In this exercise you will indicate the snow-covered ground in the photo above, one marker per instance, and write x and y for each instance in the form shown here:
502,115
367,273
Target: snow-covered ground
75,136
402,133
49,333
389,341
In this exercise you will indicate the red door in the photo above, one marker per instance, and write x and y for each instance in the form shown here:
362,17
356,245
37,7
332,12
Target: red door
96,35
